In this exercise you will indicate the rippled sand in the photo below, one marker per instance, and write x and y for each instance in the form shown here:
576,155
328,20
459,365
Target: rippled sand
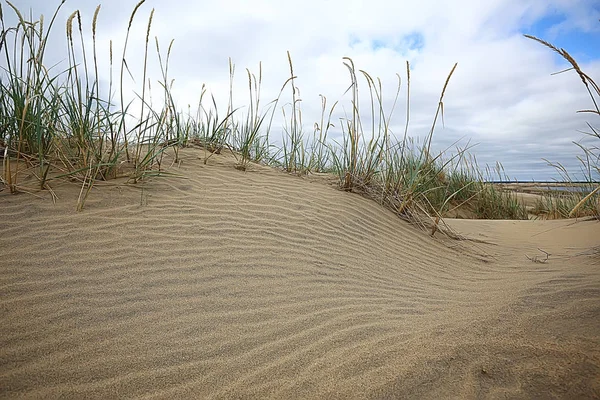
229,284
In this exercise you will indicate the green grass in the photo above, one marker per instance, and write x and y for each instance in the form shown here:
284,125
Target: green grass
54,122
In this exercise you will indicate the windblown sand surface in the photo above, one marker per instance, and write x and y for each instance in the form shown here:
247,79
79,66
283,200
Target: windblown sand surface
231,284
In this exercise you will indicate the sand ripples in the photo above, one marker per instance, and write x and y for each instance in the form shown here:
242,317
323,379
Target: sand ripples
249,285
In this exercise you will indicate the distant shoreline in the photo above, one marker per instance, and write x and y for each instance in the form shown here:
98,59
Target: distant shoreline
541,188
553,183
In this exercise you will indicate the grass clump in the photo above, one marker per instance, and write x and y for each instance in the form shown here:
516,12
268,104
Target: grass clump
406,176
586,200
57,120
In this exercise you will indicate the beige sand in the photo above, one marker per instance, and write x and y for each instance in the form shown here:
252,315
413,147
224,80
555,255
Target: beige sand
257,284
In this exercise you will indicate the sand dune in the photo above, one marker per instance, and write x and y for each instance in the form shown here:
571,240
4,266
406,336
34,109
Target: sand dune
228,284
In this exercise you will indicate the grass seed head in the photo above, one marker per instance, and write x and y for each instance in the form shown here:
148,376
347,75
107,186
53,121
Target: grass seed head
95,19
133,13
79,20
70,26
16,10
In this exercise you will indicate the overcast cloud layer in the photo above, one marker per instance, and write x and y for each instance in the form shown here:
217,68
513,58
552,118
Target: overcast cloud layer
501,97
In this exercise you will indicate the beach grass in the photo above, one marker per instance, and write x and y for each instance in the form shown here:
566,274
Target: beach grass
584,202
56,125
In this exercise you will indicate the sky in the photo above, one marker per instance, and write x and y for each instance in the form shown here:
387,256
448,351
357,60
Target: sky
503,98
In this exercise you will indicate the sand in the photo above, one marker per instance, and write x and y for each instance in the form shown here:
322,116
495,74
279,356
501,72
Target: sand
221,284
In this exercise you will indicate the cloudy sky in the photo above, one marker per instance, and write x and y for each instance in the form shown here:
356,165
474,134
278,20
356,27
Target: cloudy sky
502,96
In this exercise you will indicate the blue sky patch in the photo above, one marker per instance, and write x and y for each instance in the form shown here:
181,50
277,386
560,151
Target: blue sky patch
411,42
378,44
583,46
414,41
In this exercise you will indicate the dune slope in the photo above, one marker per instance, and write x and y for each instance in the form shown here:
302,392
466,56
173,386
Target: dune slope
229,284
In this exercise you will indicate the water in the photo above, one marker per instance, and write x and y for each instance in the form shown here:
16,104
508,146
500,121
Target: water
572,189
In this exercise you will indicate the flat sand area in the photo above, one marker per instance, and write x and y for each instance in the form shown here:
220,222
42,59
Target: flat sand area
221,284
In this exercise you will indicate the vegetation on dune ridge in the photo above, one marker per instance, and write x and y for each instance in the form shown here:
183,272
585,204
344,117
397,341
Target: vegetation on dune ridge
56,125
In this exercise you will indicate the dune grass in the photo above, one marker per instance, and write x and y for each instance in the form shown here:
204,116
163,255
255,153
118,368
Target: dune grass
586,202
56,123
